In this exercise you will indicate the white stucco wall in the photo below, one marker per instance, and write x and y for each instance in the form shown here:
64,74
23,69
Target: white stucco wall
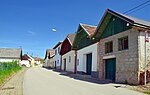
47,63
37,62
81,57
69,65
141,50
25,62
8,60
57,57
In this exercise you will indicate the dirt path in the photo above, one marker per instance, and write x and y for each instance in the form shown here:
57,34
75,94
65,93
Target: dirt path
14,85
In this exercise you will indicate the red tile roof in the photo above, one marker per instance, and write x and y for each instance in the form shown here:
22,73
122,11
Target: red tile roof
89,28
71,37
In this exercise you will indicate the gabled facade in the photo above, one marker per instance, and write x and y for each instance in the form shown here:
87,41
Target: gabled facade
49,59
121,48
67,54
25,61
32,60
57,57
86,50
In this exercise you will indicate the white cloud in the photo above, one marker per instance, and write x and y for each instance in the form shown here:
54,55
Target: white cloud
54,30
31,32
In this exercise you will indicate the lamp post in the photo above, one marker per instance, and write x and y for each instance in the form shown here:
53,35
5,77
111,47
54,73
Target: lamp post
60,33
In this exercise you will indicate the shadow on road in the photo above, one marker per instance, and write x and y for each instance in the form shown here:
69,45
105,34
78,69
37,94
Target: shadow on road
81,77
86,78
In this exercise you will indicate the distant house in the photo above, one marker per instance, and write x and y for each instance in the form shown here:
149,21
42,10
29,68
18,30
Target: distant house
10,54
67,54
32,60
121,48
57,57
37,60
49,58
86,50
26,61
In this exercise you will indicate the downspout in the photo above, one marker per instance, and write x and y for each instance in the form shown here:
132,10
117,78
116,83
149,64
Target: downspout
75,67
60,62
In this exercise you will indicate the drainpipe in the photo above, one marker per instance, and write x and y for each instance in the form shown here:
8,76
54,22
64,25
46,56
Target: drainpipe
60,62
75,67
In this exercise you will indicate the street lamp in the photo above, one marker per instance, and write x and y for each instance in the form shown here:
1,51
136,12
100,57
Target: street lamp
54,30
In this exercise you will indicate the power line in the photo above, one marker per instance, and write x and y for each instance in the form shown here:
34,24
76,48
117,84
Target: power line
136,7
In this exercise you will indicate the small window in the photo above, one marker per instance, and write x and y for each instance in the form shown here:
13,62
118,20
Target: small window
78,62
109,47
123,43
69,59
57,61
56,52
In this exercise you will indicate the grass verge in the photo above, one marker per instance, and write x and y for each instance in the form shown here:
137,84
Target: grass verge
142,88
7,69
147,92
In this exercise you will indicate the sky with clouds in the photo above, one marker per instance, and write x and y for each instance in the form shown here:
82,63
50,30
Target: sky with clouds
36,25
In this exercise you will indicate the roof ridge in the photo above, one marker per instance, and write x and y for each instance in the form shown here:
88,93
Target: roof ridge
10,48
133,20
137,18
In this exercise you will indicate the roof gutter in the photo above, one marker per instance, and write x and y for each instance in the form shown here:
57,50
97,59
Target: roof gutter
141,26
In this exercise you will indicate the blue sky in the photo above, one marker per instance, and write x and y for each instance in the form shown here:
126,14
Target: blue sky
29,23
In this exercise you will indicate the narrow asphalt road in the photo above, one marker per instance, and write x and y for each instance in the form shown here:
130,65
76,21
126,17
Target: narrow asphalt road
40,81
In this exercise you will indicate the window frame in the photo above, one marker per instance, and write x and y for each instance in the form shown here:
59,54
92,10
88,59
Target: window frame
123,43
58,50
55,51
57,61
108,47
69,59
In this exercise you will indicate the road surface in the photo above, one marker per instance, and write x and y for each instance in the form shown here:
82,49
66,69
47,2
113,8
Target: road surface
40,81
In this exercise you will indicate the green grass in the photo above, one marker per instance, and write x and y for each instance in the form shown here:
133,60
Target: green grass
7,69
146,91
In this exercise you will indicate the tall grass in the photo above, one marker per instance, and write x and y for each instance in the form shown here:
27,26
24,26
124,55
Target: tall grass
7,69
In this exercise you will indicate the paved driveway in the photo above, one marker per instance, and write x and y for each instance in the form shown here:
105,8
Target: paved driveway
40,81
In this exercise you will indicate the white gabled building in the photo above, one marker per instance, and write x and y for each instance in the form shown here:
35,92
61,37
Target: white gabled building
67,54
57,57
49,59
86,48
